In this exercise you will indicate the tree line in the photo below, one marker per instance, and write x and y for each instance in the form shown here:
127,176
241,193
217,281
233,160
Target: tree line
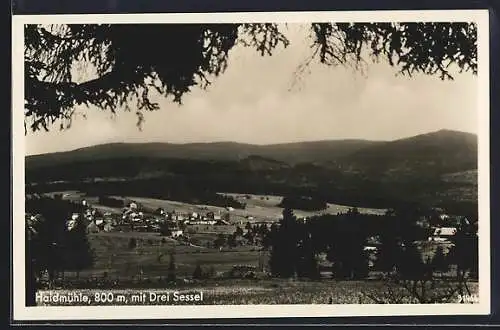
294,246
53,244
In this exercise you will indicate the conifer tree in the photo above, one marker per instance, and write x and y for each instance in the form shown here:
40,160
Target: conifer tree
171,276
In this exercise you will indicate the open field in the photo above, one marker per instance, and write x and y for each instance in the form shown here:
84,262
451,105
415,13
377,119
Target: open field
265,205
150,258
262,208
268,292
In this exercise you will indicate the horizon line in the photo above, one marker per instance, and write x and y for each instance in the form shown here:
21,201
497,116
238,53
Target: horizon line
252,144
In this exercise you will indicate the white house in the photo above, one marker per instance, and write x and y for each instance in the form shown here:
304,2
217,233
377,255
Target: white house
176,233
445,231
443,234
70,224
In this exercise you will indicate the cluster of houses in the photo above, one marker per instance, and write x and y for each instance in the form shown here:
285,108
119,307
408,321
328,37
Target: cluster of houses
441,231
133,217
93,219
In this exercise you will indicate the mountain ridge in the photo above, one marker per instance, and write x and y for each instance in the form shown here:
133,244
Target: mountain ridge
293,152
434,167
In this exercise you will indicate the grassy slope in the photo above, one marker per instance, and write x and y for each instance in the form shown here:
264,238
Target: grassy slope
114,256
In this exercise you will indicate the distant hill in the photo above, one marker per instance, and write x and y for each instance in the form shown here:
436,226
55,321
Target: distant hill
302,152
440,164
435,153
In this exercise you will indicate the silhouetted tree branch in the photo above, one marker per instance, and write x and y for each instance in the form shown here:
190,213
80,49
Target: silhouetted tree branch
127,63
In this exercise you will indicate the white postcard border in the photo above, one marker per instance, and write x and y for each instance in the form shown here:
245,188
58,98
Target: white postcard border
22,313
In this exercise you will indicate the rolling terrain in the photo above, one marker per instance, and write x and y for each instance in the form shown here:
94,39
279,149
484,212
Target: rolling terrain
425,168
301,152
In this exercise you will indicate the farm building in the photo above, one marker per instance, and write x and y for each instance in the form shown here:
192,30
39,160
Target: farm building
443,234
369,248
176,233
203,222
70,224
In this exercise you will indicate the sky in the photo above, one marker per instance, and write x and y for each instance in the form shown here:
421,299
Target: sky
256,101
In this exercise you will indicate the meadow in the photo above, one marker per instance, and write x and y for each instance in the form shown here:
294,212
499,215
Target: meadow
150,258
267,292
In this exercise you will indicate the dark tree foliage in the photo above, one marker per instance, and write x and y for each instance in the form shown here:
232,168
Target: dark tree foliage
210,273
165,229
239,231
465,253
439,260
284,246
346,249
171,276
231,240
411,265
110,201
78,253
389,254
48,244
307,264
132,243
249,236
292,249
269,236
198,272
220,241
133,61
47,241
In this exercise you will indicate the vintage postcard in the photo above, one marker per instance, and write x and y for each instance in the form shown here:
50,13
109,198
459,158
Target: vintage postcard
237,165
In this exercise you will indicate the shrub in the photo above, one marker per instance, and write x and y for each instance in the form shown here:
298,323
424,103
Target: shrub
198,272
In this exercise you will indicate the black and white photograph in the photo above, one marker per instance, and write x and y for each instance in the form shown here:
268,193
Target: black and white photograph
275,164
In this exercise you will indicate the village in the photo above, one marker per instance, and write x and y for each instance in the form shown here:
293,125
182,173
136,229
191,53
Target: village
135,239
180,225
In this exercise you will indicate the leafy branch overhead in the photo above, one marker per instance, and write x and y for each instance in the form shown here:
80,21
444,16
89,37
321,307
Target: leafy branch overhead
110,66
